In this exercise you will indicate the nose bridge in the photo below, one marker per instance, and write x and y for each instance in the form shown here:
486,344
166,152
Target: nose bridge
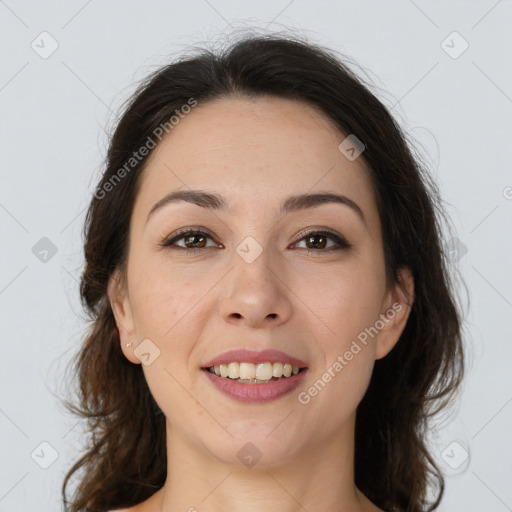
254,291
252,270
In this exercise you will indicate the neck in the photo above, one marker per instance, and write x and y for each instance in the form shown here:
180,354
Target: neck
316,477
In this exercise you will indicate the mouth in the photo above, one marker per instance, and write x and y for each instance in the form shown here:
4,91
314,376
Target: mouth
255,383
255,376
250,373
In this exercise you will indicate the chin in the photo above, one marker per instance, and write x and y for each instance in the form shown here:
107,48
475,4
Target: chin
258,446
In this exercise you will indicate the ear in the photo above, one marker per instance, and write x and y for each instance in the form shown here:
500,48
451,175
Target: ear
397,306
118,297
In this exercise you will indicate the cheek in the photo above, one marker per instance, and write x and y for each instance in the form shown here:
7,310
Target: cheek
165,300
168,311
347,305
352,380
335,391
345,301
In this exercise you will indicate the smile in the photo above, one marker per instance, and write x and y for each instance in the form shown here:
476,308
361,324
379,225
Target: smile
254,390
250,373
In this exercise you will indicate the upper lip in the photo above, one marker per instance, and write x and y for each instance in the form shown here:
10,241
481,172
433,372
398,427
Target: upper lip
243,355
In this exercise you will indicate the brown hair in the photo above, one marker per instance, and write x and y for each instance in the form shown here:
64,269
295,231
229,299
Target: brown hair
125,461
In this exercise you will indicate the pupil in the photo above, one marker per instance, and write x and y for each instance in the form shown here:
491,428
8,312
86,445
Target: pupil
193,237
322,244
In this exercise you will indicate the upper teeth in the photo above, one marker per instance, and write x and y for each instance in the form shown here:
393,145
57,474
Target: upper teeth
261,371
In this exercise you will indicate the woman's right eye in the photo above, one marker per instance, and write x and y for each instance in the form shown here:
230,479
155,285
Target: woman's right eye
193,240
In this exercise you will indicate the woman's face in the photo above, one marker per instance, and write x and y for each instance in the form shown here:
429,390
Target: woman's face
258,279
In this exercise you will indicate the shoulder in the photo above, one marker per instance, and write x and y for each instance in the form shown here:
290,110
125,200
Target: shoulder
146,506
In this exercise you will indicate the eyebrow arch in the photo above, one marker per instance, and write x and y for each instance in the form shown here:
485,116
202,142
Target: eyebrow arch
213,201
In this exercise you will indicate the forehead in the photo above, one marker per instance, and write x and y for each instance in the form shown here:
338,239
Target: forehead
254,151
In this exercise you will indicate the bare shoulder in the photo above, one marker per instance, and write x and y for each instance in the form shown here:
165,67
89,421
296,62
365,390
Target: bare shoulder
135,508
367,505
150,505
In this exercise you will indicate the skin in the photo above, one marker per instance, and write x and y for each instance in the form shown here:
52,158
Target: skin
256,153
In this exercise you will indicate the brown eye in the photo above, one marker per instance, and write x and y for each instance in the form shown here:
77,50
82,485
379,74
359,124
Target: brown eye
193,240
317,241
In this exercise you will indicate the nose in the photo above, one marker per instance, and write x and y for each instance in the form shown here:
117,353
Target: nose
255,295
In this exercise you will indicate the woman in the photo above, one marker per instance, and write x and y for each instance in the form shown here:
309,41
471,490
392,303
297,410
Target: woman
272,317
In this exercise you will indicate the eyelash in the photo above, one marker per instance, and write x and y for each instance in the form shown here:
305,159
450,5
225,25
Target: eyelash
339,240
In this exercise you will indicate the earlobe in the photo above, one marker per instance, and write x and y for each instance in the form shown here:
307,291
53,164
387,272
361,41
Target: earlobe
121,308
399,302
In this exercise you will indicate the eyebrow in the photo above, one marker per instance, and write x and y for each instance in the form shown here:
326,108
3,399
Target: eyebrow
214,201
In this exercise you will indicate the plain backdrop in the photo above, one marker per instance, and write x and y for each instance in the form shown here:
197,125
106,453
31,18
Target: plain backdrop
444,70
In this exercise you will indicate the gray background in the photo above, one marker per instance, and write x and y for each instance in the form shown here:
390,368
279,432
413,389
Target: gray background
54,115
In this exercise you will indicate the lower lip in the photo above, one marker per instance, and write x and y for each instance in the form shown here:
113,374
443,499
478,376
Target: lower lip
257,393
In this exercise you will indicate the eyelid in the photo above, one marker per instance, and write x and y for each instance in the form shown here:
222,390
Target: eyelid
318,230
182,232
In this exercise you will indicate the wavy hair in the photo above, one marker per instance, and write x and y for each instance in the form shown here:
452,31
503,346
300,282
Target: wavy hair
125,460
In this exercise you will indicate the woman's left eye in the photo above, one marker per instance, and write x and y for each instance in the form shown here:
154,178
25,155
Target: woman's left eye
323,237
316,241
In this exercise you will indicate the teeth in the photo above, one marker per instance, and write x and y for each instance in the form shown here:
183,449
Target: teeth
233,370
249,372
277,369
264,371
